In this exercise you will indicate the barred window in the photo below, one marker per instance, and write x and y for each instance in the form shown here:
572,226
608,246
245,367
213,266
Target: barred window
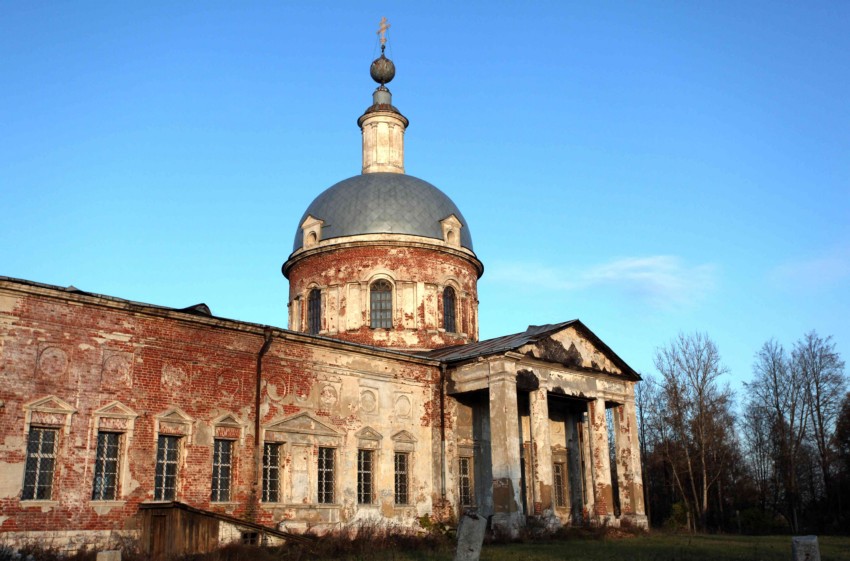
402,465
41,459
381,304
314,311
167,458
271,472
105,486
559,473
449,310
465,481
222,469
364,476
326,475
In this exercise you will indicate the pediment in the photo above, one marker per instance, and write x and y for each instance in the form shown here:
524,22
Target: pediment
303,423
174,415
50,404
116,409
310,221
404,436
368,433
228,420
575,346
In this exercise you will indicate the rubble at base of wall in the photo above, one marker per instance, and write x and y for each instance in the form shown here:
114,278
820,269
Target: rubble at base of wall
71,541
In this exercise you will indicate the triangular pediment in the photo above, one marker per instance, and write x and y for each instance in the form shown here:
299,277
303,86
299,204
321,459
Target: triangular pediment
368,433
575,346
174,415
228,420
303,423
310,221
50,404
116,409
403,436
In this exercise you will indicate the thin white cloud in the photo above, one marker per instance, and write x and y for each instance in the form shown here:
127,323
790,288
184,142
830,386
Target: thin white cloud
825,270
660,280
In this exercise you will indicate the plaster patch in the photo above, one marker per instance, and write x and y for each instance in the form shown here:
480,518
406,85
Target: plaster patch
11,476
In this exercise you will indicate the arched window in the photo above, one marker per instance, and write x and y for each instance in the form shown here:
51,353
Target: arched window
449,310
314,311
381,304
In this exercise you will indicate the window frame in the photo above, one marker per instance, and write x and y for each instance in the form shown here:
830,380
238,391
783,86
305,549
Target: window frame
102,489
221,488
162,491
271,465
465,481
381,304
559,483
314,311
365,476
450,309
401,478
326,475
42,485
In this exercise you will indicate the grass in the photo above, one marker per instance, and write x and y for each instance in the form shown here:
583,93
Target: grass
376,545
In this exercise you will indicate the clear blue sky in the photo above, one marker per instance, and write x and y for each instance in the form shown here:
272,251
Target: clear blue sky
646,167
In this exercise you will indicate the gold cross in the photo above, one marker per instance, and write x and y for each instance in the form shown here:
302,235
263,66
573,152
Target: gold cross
382,31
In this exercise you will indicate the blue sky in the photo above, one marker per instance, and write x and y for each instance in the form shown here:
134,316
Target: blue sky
649,168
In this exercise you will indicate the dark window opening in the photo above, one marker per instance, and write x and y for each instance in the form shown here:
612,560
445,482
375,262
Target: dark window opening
41,458
401,478
105,483
314,311
364,476
381,305
167,458
449,322
271,472
222,470
326,475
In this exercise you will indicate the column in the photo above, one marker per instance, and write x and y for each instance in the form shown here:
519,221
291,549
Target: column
541,449
629,468
603,498
504,446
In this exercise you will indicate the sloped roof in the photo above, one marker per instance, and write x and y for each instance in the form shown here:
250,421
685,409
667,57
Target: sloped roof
515,341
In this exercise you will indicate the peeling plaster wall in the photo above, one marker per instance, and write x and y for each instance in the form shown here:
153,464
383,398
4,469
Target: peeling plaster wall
196,378
418,276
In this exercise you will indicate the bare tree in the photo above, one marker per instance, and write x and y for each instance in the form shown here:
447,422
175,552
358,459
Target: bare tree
822,372
777,393
696,409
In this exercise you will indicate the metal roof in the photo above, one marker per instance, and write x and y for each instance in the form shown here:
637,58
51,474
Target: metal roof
515,341
376,203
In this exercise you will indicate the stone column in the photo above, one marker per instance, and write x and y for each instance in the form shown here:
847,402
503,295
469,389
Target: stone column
629,468
541,461
504,446
603,497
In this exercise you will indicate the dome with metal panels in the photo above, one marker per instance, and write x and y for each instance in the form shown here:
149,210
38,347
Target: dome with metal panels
383,203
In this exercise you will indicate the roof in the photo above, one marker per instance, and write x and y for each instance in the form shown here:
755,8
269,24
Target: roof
515,341
383,203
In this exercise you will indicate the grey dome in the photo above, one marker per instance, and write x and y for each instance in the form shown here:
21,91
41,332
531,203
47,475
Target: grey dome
379,203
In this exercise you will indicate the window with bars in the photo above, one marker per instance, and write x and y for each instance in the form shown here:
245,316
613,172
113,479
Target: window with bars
365,460
381,305
105,485
41,460
222,470
465,481
271,472
314,311
449,322
402,466
326,476
559,475
167,461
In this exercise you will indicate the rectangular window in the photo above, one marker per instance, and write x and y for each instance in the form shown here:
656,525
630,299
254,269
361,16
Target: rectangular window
465,481
41,459
559,474
167,458
364,476
222,470
105,485
401,478
271,472
326,475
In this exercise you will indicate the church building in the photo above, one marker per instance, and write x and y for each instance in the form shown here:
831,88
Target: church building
378,402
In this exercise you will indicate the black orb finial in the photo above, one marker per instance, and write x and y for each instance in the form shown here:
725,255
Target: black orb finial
382,70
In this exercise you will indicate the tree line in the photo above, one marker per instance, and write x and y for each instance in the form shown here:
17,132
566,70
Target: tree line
774,459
